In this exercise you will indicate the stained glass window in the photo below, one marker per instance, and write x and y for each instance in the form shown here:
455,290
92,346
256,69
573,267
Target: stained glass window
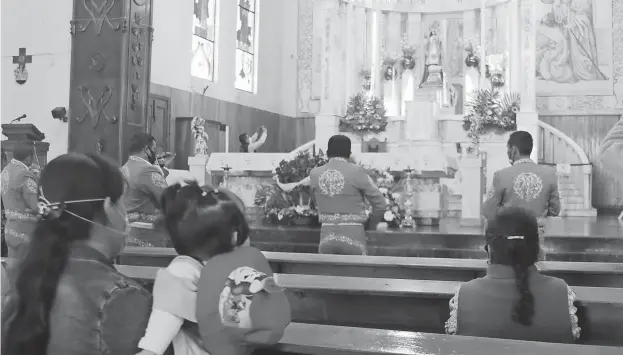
245,45
204,35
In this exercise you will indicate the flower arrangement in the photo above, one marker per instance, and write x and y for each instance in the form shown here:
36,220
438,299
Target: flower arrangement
364,114
389,67
408,53
488,111
366,76
295,207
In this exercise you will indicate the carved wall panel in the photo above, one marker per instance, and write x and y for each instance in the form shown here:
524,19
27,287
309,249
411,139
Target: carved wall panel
109,87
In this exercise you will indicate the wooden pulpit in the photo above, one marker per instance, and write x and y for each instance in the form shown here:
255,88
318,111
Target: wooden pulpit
110,75
16,132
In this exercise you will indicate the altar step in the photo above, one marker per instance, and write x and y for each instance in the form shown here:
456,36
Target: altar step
572,202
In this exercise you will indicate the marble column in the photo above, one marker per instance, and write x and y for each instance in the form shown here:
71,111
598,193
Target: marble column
377,80
351,67
391,88
410,78
471,190
527,118
470,34
514,58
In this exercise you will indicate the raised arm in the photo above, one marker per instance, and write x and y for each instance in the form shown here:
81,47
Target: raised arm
372,193
291,186
154,183
29,191
494,199
256,143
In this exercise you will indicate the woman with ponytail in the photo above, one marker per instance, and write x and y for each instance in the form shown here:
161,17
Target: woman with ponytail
68,297
513,300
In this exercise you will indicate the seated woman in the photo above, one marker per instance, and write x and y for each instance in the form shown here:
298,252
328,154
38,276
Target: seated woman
514,301
192,304
68,297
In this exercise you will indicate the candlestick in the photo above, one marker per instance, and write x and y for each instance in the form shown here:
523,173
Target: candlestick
226,169
408,221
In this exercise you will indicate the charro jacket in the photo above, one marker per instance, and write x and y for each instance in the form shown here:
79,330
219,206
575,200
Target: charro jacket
525,184
145,184
19,199
340,189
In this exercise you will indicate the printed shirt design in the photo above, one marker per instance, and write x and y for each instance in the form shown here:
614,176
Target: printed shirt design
527,186
5,180
331,182
236,298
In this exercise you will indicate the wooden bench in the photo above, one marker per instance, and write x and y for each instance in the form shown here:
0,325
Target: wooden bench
574,273
314,339
411,304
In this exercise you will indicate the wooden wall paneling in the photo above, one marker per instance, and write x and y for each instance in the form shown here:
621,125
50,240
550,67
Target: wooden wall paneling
284,133
588,132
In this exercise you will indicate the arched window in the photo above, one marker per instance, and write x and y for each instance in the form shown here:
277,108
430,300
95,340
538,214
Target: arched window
204,38
245,45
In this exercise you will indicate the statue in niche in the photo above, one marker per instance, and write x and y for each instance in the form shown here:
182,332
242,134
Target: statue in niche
433,74
374,146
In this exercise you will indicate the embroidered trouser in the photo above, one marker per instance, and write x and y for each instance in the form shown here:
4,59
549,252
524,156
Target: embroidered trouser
17,235
343,239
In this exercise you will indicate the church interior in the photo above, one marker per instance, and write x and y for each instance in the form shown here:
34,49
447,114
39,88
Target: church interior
428,91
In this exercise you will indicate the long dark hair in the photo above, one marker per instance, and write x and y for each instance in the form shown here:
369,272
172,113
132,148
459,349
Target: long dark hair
203,219
66,178
244,142
513,239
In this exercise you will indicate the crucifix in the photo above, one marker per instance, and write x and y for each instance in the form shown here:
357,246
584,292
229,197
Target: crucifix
21,74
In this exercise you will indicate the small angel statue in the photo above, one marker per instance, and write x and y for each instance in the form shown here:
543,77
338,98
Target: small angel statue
201,137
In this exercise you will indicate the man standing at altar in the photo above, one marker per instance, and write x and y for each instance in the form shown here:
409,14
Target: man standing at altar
523,184
19,198
145,180
340,188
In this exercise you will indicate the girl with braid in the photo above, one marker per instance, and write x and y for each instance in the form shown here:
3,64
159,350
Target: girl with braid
513,300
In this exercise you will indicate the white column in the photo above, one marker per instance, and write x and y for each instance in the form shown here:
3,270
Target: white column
471,190
483,42
410,78
514,58
351,69
528,117
377,81
391,92
470,33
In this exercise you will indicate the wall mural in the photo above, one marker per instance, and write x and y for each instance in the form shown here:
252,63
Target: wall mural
574,47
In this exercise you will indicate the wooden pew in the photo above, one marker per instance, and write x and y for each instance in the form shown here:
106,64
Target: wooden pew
332,340
574,273
420,305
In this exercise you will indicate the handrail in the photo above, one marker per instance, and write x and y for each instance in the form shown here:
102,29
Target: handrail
303,148
576,148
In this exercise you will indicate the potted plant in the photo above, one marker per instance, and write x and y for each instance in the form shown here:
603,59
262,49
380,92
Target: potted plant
364,114
408,53
471,59
389,68
366,76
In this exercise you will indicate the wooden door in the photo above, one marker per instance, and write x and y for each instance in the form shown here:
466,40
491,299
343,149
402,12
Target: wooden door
159,121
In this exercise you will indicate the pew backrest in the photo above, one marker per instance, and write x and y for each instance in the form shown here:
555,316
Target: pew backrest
397,261
329,339
389,287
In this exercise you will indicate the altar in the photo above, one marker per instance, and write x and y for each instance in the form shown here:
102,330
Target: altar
430,87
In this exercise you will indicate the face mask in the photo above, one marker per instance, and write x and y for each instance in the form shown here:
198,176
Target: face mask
151,156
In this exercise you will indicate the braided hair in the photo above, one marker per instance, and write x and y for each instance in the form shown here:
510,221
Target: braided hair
513,240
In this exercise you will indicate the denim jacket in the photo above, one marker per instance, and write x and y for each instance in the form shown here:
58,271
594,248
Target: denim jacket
97,310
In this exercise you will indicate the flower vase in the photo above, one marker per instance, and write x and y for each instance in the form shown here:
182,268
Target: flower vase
408,62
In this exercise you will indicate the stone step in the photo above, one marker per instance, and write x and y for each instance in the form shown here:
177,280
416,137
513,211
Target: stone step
570,200
569,192
580,212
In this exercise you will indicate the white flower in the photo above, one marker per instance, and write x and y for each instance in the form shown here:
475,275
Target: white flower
280,215
383,190
388,216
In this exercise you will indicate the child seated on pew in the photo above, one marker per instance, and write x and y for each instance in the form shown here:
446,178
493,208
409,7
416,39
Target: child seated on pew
513,300
218,296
